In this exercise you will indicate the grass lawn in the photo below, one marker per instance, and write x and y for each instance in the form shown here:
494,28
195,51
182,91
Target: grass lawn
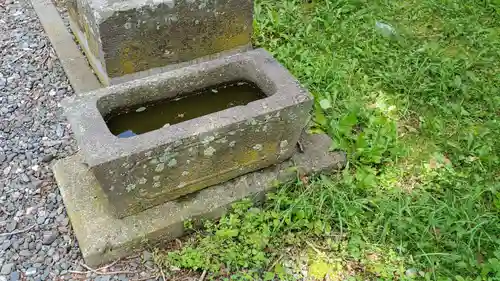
411,91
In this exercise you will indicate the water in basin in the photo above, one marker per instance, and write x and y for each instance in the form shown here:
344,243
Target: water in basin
142,118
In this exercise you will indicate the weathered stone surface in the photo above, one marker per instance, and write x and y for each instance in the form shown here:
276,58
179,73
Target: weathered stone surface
146,170
104,238
122,37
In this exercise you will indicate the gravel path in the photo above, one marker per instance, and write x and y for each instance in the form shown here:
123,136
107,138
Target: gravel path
36,240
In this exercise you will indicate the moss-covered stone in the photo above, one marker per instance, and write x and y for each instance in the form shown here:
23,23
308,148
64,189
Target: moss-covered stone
146,170
137,35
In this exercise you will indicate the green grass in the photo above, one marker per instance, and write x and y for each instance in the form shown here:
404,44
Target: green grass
418,112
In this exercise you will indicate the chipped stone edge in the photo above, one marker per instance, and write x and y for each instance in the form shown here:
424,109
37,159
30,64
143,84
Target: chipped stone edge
75,64
104,238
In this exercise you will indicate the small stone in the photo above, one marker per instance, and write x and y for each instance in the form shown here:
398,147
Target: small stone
2,157
122,277
29,210
40,220
48,158
411,272
59,131
140,109
31,271
40,258
6,244
25,253
62,229
7,169
16,195
25,178
6,268
11,226
14,276
49,238
104,278
51,252
64,221
64,265
11,79
15,245
3,278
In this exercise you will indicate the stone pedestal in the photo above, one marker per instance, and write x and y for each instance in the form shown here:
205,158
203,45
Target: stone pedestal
127,39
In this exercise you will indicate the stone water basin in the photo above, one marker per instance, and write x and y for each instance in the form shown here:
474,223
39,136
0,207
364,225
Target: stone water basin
155,139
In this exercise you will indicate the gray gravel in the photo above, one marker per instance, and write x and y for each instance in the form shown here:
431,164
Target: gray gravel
36,240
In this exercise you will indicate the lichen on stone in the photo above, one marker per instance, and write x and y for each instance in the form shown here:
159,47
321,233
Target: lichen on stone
209,151
130,187
160,167
283,143
221,140
172,162
208,140
258,147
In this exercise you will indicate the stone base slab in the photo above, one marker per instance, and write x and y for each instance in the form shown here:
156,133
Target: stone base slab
104,238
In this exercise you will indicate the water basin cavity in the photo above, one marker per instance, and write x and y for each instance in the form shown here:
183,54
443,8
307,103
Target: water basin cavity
138,119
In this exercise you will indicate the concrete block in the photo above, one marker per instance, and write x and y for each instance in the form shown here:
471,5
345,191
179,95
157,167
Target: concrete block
103,238
124,37
146,170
